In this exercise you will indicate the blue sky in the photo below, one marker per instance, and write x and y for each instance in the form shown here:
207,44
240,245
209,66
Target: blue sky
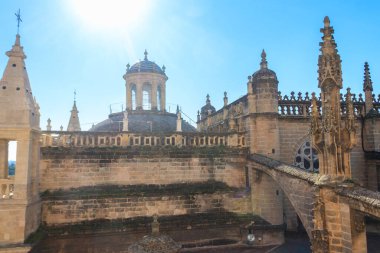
207,46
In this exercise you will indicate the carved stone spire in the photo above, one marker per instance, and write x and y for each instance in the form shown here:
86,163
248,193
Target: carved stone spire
333,137
329,62
74,124
17,105
367,85
367,88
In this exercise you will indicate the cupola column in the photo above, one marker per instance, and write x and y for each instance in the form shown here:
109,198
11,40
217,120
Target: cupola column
153,96
128,96
163,98
139,97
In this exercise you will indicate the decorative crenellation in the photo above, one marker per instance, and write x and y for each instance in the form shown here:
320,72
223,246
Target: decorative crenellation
102,139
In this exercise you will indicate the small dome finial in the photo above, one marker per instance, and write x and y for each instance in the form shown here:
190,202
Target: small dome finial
208,99
146,55
163,68
326,21
128,66
264,63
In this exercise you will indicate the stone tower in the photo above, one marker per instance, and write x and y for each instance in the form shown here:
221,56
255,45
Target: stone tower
19,121
263,108
74,124
263,139
333,137
145,84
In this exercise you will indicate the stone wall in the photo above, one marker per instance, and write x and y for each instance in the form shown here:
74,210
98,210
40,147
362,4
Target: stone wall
65,168
293,133
77,210
81,184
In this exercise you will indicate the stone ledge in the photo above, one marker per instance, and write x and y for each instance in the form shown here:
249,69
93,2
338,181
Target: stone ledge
141,190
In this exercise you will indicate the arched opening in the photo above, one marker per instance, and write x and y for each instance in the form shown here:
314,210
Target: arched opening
159,97
147,101
307,158
133,96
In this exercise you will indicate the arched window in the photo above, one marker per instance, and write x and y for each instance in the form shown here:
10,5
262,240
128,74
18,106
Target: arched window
133,95
159,98
147,101
307,158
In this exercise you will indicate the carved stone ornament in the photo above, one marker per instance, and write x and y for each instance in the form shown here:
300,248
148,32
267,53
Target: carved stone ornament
320,241
359,222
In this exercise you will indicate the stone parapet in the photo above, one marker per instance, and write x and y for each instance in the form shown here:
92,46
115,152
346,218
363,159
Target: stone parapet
124,139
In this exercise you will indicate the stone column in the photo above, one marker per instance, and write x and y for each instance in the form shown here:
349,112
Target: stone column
139,94
3,158
358,232
154,96
128,96
163,97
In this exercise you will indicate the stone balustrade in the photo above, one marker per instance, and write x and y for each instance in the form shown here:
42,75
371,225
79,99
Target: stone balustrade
300,105
6,188
109,139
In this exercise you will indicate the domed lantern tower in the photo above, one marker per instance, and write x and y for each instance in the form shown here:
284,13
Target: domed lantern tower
145,84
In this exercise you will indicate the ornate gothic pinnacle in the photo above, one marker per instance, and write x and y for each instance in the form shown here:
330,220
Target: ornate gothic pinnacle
328,46
329,61
367,85
264,63
145,55
326,21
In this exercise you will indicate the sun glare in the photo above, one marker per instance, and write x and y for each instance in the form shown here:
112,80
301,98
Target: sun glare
111,15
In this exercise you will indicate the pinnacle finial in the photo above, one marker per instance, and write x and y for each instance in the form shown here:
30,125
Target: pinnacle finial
163,68
264,63
75,96
128,66
146,55
367,85
326,21
208,99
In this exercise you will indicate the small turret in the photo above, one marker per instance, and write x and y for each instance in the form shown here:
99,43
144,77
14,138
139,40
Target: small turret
207,109
48,126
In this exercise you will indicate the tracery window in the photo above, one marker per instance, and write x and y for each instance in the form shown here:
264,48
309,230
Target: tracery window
307,158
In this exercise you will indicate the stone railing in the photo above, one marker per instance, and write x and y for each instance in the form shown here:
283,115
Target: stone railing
123,139
6,188
298,105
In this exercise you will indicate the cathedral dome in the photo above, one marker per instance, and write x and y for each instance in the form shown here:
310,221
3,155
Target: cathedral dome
146,66
142,122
